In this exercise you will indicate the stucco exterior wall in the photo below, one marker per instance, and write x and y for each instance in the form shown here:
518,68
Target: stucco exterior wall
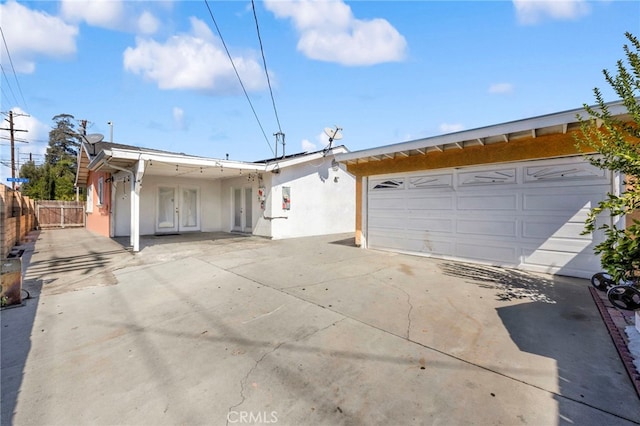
322,200
98,214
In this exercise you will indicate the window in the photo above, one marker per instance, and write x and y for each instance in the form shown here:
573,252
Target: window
286,198
389,184
100,191
90,190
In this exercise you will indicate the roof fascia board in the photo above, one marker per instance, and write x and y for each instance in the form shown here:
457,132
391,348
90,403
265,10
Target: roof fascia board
277,164
549,120
124,154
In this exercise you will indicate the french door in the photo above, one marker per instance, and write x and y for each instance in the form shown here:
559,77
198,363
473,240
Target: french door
178,209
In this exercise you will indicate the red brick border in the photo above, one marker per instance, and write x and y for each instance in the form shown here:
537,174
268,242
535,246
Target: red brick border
618,339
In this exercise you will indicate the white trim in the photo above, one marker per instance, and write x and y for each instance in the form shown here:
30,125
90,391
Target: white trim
90,198
364,212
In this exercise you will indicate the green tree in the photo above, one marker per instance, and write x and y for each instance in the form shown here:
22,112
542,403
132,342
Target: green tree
617,142
54,180
34,188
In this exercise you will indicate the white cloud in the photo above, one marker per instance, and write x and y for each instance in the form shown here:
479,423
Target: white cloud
147,23
192,61
99,13
501,88
329,32
533,11
178,118
451,128
308,146
117,15
30,33
322,140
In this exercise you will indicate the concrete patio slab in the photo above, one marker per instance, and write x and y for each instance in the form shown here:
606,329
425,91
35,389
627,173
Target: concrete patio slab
312,331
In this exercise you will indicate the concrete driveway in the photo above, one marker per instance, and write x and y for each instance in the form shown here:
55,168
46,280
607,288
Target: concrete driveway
220,329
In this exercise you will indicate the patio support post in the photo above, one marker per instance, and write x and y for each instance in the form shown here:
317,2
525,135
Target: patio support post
135,205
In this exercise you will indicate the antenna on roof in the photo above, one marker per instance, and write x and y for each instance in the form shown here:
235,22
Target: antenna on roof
334,134
278,135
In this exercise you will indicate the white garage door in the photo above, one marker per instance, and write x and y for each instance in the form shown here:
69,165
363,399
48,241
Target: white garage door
526,215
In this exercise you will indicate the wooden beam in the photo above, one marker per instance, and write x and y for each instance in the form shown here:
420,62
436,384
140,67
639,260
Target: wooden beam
480,141
505,137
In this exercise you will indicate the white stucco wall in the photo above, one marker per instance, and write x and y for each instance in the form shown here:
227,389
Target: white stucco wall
322,200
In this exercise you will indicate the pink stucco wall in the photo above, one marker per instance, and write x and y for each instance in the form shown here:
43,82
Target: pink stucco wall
98,220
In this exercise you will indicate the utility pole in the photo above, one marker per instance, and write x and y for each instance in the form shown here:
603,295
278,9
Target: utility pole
12,131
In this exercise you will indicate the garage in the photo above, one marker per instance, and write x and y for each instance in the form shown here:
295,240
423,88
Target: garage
514,194
528,215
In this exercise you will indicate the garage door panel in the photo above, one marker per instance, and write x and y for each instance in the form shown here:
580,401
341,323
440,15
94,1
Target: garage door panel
487,177
423,242
488,202
487,252
429,243
388,223
560,261
433,224
523,215
558,202
488,228
391,203
446,202
564,172
538,229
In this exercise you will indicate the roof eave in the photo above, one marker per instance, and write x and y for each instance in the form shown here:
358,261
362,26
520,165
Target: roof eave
534,123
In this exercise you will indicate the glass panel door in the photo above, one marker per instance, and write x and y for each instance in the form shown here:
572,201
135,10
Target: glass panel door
248,210
189,220
237,209
166,209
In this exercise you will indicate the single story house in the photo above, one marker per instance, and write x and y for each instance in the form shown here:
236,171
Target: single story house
133,191
514,194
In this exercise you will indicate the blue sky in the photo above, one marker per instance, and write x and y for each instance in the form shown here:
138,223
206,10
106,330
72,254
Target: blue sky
384,71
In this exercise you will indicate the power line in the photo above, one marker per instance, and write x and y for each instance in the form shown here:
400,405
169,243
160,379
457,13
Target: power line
238,76
266,72
4,74
12,67
7,138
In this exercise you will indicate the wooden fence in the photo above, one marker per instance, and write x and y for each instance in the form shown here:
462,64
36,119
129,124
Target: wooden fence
21,215
17,218
60,214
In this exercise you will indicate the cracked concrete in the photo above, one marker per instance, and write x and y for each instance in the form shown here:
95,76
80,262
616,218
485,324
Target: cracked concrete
301,332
